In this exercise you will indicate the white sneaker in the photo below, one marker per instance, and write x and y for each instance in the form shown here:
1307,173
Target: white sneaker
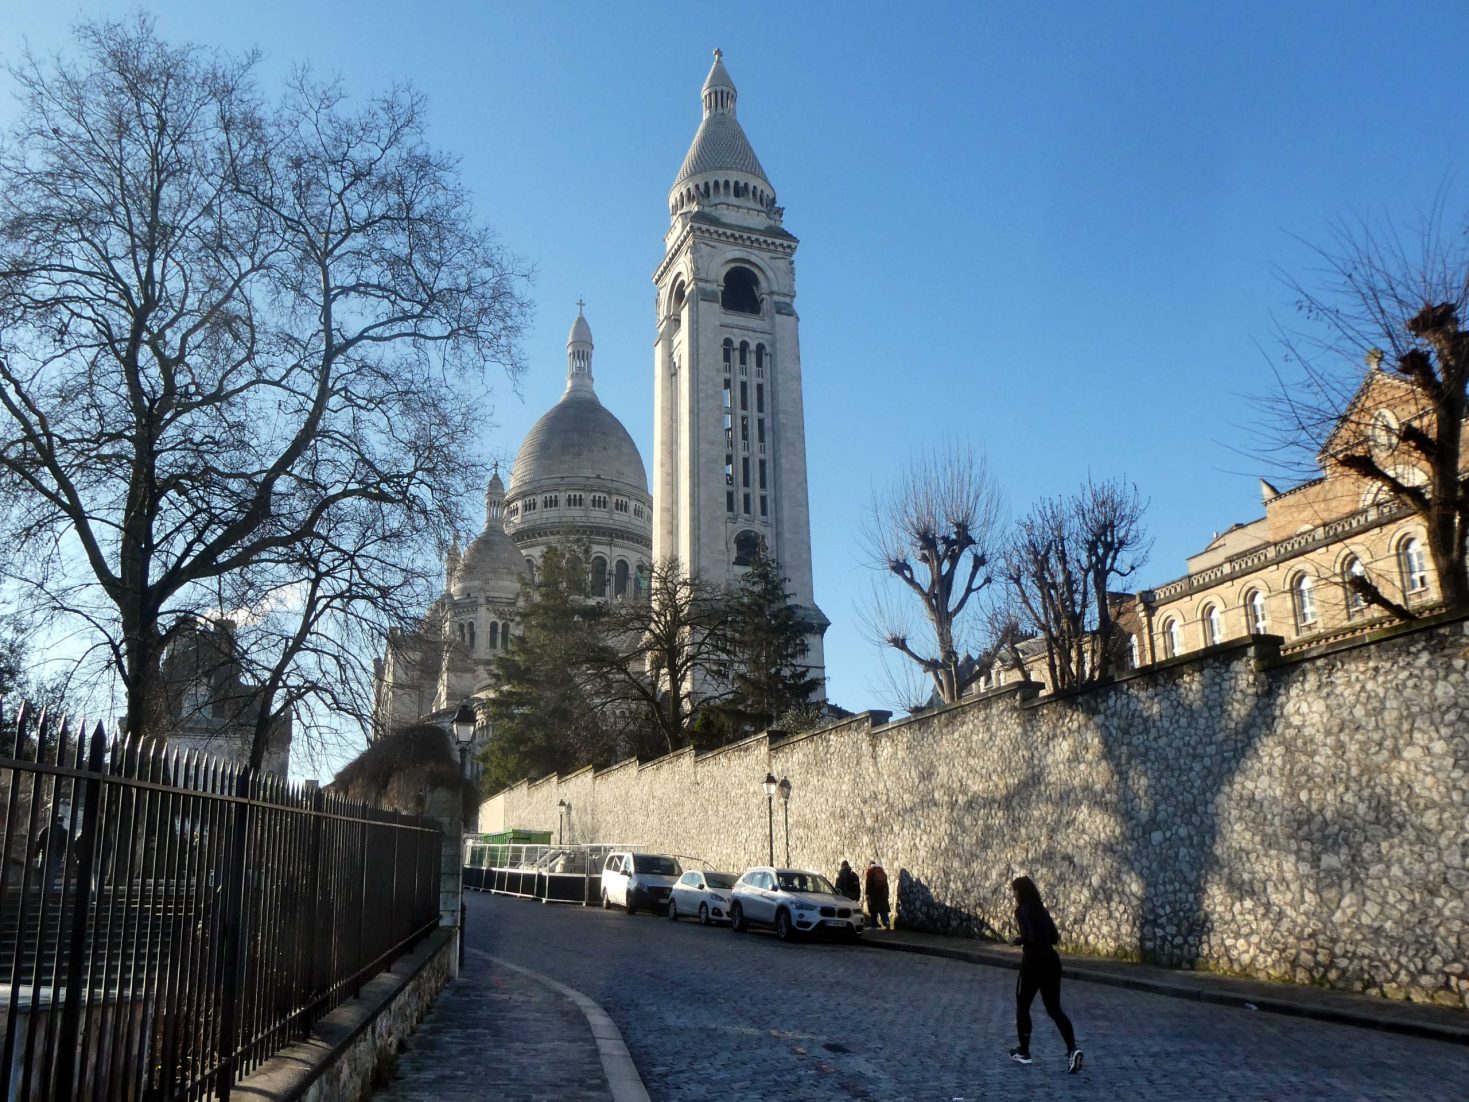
1074,1061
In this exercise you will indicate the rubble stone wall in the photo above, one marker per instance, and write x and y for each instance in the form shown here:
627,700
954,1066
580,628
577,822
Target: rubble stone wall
1304,818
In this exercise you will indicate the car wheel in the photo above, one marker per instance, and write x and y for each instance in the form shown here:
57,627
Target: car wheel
703,914
606,903
737,919
783,928
672,909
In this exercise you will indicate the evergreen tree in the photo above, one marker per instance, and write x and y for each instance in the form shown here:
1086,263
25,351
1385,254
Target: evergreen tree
768,644
549,713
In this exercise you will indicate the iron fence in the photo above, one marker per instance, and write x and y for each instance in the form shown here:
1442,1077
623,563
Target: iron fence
168,921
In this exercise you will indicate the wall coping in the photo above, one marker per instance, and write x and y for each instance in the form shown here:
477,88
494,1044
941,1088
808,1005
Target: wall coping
290,1073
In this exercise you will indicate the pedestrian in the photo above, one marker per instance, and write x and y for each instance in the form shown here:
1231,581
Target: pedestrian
1040,970
877,895
847,883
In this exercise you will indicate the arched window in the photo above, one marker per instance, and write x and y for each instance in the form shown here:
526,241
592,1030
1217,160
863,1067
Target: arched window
1255,612
530,564
1303,595
619,580
1213,625
728,353
679,295
599,576
640,581
494,635
1355,602
471,635
1413,565
747,546
741,292
505,636
1172,638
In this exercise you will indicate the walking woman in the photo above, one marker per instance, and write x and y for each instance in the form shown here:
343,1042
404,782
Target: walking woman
1040,970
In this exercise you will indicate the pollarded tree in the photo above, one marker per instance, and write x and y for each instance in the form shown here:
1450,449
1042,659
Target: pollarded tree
934,530
1062,567
221,324
1399,305
768,645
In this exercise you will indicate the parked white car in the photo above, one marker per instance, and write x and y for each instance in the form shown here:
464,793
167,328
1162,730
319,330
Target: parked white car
705,894
636,881
791,902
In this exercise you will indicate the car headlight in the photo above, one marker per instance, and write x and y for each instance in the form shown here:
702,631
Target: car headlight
718,898
799,905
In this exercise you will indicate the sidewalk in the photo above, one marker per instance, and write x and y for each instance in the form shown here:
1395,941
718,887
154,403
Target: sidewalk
1368,1011
497,1033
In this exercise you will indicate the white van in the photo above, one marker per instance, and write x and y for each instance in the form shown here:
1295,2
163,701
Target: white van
639,880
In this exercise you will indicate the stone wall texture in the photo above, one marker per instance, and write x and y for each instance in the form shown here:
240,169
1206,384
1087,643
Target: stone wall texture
1304,819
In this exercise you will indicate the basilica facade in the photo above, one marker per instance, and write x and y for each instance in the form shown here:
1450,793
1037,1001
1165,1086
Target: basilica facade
728,441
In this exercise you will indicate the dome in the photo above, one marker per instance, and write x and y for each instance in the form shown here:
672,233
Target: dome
491,561
578,441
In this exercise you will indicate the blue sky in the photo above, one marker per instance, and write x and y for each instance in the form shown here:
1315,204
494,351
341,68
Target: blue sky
1054,232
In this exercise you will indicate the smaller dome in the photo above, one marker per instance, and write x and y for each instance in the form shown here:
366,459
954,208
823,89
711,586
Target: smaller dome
581,332
491,563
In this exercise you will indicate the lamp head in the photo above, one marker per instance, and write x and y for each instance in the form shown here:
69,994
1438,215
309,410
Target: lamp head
769,784
464,724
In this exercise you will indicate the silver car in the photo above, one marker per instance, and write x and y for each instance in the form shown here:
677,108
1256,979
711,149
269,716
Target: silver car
792,902
705,894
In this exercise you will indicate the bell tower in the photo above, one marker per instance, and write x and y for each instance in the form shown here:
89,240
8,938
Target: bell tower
729,426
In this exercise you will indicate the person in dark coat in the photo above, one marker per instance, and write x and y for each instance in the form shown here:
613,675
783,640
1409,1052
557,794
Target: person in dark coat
877,895
1040,970
847,883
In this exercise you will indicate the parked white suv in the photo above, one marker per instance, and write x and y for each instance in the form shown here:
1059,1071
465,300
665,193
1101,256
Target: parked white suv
639,880
792,901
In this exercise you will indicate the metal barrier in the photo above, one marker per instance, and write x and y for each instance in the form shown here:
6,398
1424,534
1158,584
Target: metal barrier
168,922
547,873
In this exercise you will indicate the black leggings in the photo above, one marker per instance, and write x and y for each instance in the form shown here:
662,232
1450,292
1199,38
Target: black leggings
1043,975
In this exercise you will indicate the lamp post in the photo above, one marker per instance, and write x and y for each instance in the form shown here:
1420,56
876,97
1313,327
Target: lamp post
785,803
464,723
770,786
562,807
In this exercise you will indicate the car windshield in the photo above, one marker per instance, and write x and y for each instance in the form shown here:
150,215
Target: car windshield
655,866
719,879
805,882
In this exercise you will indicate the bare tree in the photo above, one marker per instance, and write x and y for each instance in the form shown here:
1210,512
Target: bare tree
1398,304
1061,568
221,327
670,655
933,530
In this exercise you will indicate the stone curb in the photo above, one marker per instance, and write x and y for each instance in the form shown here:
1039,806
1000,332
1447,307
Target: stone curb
1340,1008
617,1063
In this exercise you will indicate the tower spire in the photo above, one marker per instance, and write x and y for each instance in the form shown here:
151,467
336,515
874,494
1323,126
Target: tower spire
579,353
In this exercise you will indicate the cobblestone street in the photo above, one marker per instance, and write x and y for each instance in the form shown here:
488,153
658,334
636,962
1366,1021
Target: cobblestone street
710,1014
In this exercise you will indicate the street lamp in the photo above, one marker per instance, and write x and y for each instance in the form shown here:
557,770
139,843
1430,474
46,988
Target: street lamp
785,803
562,807
464,723
770,786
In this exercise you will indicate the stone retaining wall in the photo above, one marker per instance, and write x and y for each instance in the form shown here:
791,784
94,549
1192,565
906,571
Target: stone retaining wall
1300,818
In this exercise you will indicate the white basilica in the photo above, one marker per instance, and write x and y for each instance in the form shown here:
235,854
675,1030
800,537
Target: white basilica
729,439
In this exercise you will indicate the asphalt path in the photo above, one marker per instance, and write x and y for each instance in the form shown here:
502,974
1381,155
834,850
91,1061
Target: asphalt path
707,1013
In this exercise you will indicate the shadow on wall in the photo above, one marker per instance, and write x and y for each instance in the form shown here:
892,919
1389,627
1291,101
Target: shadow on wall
1170,791
919,909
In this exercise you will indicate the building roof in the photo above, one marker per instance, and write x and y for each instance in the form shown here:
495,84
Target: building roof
720,144
578,442
491,562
